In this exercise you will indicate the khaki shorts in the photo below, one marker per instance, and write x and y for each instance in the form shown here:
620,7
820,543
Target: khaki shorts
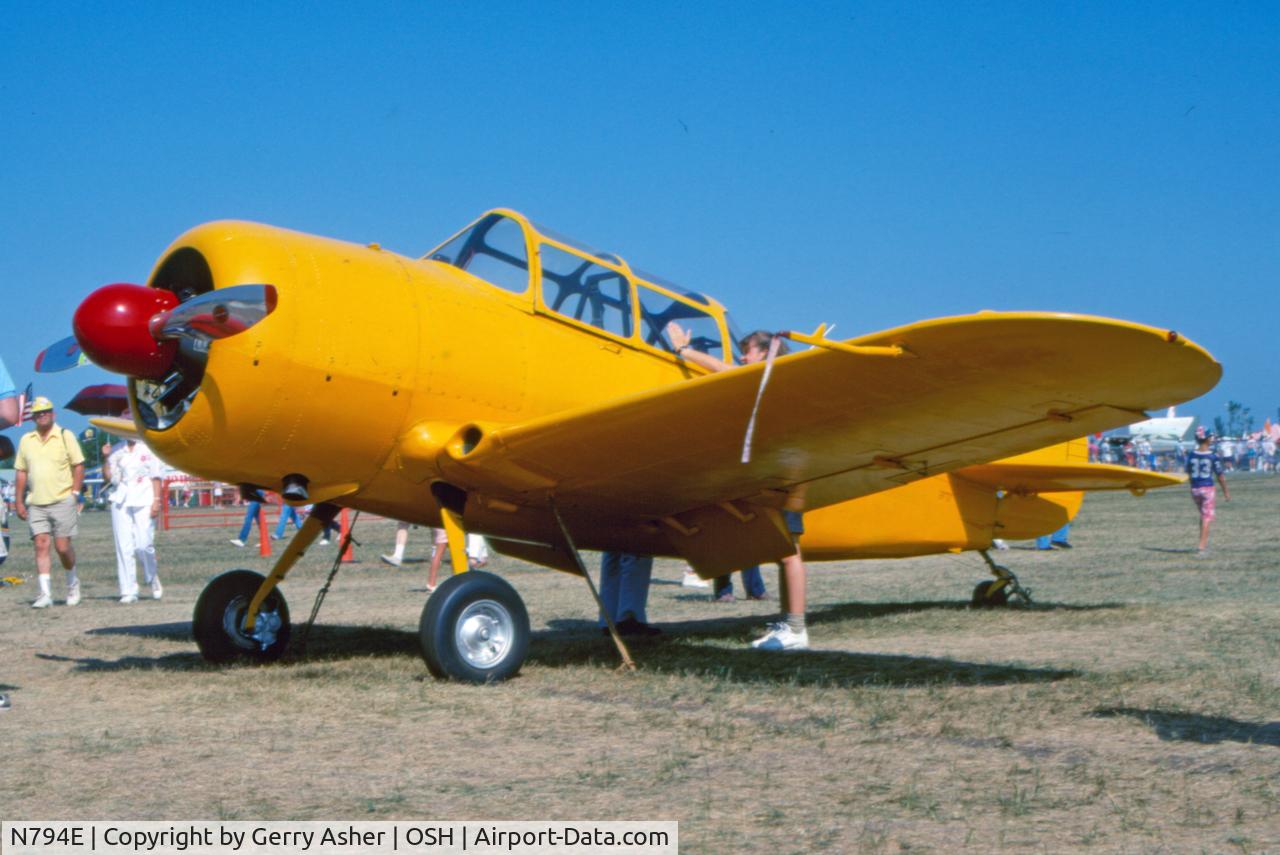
59,519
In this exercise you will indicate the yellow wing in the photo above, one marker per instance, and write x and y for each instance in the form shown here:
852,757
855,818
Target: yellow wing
833,425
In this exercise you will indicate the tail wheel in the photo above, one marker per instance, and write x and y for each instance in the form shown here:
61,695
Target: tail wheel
219,620
475,629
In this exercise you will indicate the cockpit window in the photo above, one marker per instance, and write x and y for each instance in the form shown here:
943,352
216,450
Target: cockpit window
581,289
493,249
657,310
671,286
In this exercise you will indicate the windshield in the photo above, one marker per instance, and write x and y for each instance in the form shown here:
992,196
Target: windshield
493,249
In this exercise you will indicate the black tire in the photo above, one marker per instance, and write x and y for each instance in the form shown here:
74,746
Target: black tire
474,629
218,622
984,599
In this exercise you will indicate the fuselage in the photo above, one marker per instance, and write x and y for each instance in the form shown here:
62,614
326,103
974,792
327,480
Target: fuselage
372,363
363,346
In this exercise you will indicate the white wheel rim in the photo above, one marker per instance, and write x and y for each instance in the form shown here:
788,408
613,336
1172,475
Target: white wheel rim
483,634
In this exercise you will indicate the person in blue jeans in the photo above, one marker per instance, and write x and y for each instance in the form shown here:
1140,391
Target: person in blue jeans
1057,540
287,512
624,591
250,514
790,632
752,581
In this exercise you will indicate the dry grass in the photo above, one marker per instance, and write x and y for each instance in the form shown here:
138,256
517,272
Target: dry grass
1133,710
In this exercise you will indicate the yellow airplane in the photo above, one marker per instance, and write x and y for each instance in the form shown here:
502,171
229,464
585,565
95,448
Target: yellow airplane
521,385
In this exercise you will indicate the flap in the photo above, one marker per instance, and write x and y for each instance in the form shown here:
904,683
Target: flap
719,539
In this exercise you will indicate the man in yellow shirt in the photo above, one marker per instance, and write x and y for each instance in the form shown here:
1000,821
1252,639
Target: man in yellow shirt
50,470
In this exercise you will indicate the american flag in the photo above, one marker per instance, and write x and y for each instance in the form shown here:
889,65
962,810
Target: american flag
24,405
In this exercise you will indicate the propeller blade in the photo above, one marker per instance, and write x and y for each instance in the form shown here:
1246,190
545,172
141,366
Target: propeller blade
60,356
216,314
121,427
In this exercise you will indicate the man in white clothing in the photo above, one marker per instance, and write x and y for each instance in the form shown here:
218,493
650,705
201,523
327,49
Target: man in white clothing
137,489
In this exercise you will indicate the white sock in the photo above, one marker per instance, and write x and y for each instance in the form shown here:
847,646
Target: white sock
44,584
398,554
71,578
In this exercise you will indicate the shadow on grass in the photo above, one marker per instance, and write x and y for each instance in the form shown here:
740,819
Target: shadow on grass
578,642
1170,551
326,643
680,650
176,631
1192,727
833,668
169,662
748,626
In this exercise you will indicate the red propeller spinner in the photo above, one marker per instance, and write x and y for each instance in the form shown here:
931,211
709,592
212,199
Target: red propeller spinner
112,326
134,330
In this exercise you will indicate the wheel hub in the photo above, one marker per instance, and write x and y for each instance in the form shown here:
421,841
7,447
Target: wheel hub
265,629
484,633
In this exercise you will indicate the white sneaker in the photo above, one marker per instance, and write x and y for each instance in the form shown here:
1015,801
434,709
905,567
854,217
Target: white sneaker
73,594
42,602
693,580
157,591
235,541
129,598
392,560
324,541
780,637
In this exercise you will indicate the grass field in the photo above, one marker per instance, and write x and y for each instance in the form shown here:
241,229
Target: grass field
1135,708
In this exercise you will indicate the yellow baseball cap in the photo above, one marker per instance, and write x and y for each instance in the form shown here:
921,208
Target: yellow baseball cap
41,404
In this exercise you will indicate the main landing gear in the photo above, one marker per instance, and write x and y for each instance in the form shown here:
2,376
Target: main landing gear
474,629
1003,590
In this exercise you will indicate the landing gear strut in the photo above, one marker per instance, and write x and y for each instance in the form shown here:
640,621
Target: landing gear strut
1000,591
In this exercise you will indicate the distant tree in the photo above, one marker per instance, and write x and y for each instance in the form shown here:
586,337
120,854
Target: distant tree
1218,427
91,447
1238,418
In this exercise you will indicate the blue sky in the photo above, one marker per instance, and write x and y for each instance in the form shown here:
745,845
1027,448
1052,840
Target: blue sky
867,165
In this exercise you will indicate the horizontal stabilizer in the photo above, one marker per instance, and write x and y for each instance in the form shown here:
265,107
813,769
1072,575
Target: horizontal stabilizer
1025,478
